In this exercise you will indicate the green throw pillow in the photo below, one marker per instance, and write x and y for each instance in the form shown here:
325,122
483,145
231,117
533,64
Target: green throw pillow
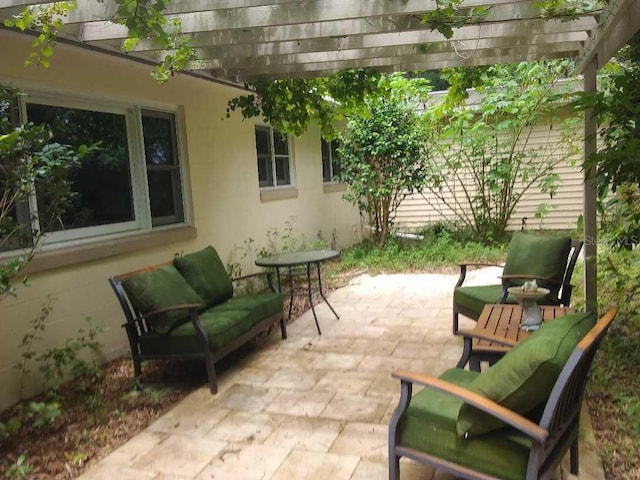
204,271
535,255
524,377
161,288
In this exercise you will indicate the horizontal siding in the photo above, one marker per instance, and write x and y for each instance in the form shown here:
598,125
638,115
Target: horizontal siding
418,210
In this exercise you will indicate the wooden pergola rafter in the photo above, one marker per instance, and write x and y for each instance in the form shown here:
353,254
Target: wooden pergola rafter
241,40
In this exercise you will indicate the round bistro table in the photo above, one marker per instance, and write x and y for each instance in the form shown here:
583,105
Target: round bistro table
289,265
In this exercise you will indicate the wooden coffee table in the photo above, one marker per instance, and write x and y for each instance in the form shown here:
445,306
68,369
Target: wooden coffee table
497,330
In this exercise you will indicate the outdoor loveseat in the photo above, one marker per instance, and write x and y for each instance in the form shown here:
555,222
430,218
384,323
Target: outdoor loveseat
514,421
187,309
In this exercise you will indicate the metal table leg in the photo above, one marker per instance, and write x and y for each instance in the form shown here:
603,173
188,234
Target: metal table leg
322,292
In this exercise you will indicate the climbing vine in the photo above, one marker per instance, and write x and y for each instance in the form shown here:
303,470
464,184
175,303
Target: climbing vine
144,20
290,104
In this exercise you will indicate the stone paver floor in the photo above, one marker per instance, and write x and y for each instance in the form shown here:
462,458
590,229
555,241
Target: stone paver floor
313,407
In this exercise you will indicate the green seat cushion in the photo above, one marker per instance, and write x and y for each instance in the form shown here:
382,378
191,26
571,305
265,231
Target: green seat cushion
204,271
475,298
160,288
222,326
258,305
523,379
535,255
429,425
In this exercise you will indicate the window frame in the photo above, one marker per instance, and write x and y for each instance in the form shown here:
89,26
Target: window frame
140,196
334,180
273,156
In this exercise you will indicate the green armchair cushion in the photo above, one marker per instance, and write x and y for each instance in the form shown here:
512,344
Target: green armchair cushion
524,377
157,289
536,255
429,425
258,305
204,271
475,298
221,325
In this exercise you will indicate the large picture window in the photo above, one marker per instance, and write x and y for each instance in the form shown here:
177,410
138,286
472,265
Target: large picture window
274,167
131,182
331,170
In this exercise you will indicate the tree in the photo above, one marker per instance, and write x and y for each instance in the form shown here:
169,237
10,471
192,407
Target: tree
616,164
381,151
28,161
483,157
616,107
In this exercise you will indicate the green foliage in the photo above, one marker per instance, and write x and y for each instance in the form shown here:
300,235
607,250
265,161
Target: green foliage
621,217
441,247
483,157
449,16
567,9
289,105
278,239
27,345
381,151
143,19
28,160
20,469
616,106
59,363
48,18
44,414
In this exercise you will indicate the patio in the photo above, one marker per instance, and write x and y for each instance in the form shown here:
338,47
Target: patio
314,407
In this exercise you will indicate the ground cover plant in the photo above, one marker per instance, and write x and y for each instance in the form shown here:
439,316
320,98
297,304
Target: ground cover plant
434,249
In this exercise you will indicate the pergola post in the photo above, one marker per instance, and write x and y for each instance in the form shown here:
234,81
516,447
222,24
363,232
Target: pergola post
589,208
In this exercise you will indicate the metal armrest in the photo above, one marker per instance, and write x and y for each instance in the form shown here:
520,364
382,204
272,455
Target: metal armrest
488,406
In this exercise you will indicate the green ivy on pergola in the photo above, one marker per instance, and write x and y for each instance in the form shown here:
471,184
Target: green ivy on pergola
246,40
242,40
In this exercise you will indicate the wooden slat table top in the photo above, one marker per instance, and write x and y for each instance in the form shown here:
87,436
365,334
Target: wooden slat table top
503,321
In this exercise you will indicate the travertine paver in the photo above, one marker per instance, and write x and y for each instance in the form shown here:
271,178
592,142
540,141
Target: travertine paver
314,407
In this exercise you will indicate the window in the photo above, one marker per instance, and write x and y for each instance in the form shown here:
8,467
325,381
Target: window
131,182
331,170
274,169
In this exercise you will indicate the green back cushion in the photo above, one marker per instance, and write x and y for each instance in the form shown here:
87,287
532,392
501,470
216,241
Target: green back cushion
160,288
534,255
204,271
524,377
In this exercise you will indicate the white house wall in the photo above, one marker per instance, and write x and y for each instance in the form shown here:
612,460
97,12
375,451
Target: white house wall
227,208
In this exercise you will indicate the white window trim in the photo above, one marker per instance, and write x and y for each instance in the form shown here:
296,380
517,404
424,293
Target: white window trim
141,225
290,147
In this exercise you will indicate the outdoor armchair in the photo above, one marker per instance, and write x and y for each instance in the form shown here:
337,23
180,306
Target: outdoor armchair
514,421
548,260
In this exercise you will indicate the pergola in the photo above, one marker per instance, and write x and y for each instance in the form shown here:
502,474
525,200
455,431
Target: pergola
240,40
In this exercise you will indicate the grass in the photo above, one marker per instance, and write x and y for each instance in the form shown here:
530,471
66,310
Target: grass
439,249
